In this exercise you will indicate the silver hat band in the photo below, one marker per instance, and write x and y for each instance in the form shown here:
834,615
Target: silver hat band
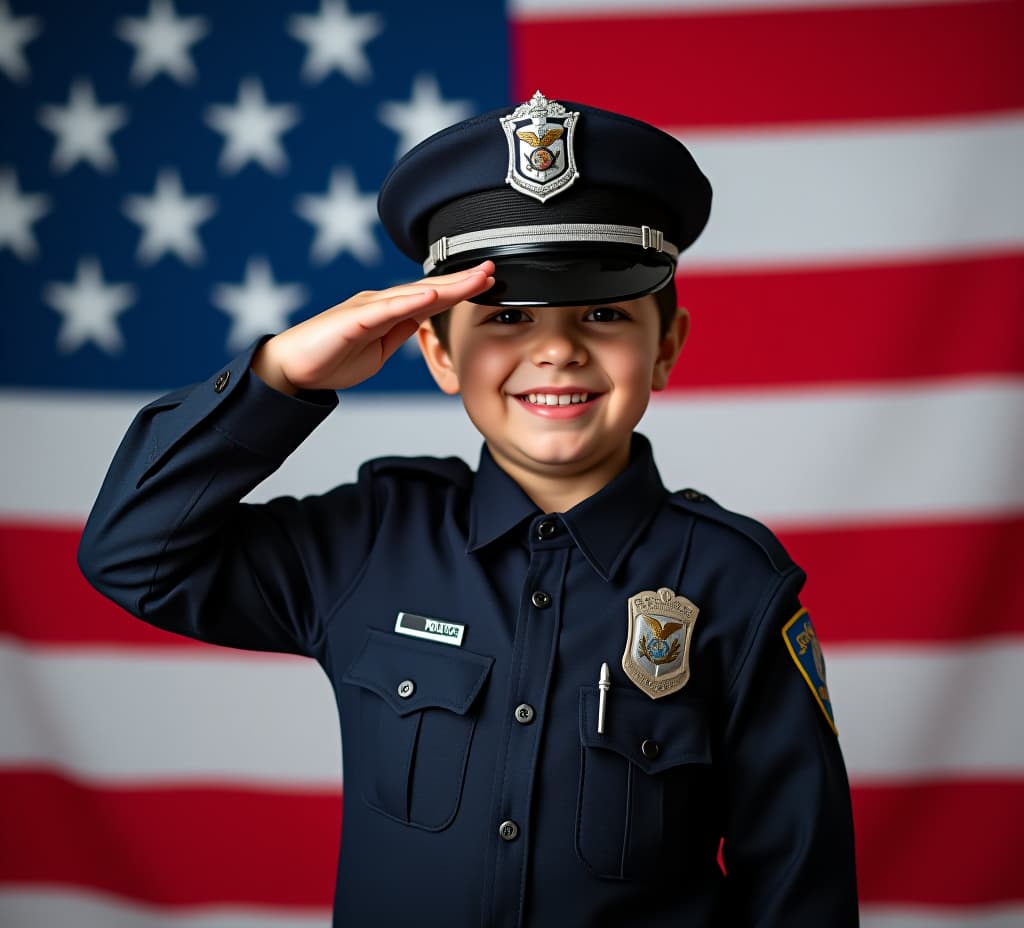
450,245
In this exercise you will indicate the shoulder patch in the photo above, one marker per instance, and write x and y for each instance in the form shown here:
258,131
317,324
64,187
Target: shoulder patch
802,644
453,470
702,505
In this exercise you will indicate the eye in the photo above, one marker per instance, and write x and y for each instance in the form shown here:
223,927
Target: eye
605,314
509,316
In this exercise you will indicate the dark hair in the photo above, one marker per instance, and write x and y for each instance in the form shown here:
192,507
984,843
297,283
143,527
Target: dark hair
665,298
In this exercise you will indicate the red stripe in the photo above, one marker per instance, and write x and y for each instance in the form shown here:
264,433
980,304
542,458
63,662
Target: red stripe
170,846
954,843
806,65
923,579
44,598
937,581
879,322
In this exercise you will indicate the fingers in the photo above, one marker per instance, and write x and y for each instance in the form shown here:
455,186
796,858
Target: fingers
446,284
420,300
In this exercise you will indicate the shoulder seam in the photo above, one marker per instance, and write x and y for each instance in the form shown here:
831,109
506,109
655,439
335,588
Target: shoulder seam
702,506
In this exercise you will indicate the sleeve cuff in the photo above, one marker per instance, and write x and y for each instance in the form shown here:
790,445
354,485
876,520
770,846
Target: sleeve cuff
268,422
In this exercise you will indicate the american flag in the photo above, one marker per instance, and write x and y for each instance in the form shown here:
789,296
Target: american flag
177,177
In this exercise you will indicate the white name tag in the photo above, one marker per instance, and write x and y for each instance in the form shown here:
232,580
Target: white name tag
420,626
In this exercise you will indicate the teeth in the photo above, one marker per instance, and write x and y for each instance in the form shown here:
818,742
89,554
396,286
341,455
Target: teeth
556,399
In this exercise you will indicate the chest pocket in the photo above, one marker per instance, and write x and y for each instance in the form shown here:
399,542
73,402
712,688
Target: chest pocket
645,786
416,723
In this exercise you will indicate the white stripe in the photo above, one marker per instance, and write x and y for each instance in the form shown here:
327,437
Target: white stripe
593,9
74,908
929,711
902,713
100,715
63,908
860,193
858,454
942,917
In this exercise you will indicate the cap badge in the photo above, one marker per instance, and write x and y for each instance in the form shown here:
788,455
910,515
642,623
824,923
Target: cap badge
659,630
541,162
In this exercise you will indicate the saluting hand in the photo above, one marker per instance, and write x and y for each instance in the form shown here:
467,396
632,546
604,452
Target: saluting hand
349,343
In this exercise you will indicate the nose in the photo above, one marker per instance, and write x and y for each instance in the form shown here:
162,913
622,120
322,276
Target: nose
557,345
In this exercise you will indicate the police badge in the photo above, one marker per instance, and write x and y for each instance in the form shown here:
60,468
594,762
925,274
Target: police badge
541,162
660,627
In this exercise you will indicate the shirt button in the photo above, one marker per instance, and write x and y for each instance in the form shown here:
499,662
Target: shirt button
509,831
541,599
547,529
524,714
406,688
650,749
221,382
694,496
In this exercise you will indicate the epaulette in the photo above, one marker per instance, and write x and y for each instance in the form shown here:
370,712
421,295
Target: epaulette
452,470
704,506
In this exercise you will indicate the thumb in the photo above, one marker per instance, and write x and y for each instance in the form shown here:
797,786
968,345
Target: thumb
396,337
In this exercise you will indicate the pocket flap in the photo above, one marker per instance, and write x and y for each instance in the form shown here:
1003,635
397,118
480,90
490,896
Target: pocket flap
676,732
440,676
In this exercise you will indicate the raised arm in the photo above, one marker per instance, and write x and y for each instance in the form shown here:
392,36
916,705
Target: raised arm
168,539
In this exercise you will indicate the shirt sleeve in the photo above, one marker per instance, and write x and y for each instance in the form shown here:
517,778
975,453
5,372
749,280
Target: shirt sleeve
169,540
788,849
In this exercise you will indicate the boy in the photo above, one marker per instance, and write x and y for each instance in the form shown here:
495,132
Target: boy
515,753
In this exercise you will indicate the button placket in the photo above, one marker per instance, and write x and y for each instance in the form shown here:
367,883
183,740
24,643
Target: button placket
536,642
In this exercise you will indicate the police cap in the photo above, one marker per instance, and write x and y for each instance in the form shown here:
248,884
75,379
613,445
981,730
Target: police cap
574,204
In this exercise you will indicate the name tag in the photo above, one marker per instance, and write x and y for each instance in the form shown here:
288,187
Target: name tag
420,626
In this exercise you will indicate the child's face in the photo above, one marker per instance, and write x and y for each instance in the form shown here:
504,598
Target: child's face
597,363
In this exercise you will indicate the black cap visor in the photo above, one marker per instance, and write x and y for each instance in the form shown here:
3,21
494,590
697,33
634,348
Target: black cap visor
569,274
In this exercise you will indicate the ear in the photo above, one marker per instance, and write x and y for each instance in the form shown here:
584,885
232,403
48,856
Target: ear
669,349
438,360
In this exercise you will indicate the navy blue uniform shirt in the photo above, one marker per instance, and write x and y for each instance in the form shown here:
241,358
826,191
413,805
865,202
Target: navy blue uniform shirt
478,791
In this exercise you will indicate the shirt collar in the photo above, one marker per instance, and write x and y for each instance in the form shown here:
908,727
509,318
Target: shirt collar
604,526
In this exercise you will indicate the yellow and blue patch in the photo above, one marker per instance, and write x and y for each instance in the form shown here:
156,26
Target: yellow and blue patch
802,644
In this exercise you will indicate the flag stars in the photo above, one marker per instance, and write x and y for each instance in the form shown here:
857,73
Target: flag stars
83,129
15,33
257,306
336,40
344,220
89,307
252,129
425,113
169,220
162,40
17,213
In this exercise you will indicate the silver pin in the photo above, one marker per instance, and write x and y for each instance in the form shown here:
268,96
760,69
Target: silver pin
604,684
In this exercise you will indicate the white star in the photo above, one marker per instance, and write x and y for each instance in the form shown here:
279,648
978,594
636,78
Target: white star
83,128
257,305
169,220
335,39
423,115
17,213
344,220
90,308
162,42
16,32
251,128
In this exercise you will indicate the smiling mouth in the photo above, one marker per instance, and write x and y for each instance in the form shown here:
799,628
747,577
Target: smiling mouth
555,399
